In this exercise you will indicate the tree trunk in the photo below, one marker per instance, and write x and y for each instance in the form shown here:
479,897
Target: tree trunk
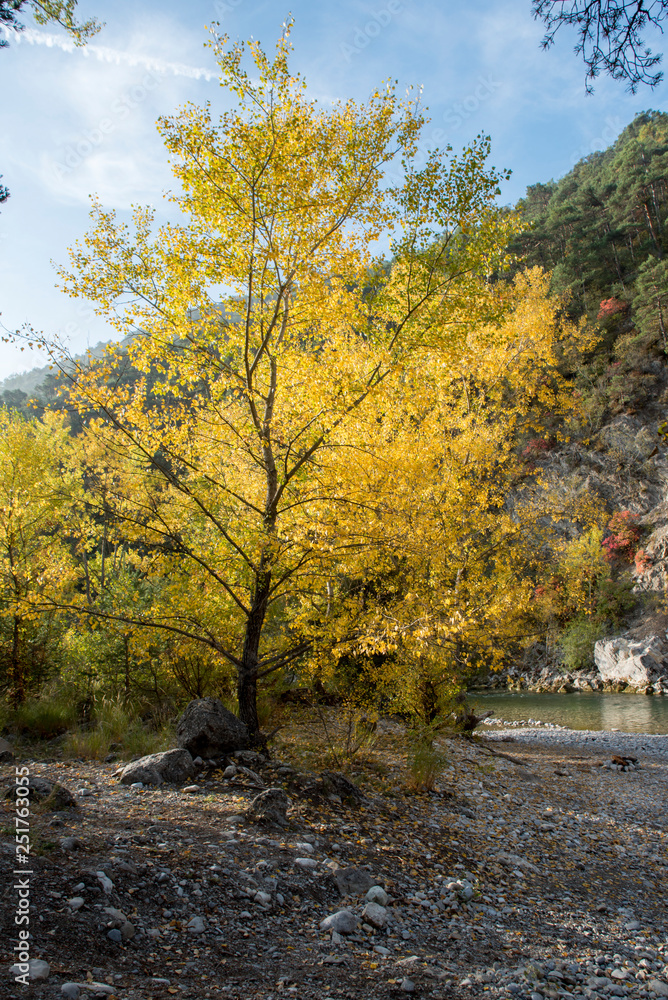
18,680
126,654
247,677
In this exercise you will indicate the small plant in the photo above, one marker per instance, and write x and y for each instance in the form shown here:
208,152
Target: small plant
537,447
624,538
425,761
347,730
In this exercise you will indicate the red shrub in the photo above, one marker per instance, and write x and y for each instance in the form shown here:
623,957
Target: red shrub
610,307
625,534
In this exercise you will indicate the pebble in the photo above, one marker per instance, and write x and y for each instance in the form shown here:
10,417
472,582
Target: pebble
105,882
407,986
661,989
76,902
115,935
37,969
70,990
191,789
196,925
306,862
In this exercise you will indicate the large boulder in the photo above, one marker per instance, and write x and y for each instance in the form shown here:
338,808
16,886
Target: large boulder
208,729
172,766
638,663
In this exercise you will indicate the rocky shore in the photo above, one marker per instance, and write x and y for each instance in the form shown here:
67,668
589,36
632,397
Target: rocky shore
637,665
536,869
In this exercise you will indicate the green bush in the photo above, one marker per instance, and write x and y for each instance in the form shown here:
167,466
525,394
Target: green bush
578,640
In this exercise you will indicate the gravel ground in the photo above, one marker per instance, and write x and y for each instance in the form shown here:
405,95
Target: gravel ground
534,871
646,745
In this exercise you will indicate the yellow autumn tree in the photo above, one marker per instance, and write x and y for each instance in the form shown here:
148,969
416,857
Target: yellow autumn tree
277,331
35,559
459,525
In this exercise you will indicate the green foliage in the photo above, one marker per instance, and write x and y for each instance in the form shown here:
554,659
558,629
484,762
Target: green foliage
426,761
61,12
600,231
578,640
118,727
651,299
602,220
585,595
45,717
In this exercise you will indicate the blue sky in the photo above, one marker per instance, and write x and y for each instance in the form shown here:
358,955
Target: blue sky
77,122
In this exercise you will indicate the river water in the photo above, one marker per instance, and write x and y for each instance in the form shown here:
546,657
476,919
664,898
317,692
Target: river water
629,713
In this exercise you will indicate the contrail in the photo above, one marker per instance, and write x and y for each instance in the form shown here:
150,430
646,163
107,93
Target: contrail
105,54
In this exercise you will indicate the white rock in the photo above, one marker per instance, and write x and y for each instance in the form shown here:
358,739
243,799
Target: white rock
196,925
105,882
35,969
306,862
658,987
343,922
377,894
76,902
636,663
306,848
407,985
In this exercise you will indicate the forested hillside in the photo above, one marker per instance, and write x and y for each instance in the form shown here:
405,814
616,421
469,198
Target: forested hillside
364,481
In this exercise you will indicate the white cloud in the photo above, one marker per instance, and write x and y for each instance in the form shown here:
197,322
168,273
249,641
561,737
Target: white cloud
118,57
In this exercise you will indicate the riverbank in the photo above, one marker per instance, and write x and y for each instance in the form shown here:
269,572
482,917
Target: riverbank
646,745
531,871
